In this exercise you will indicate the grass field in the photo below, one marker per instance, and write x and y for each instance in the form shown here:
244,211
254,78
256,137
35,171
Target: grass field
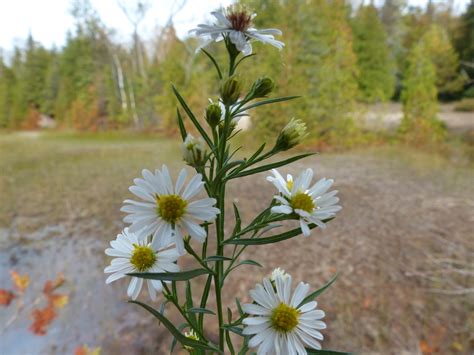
403,244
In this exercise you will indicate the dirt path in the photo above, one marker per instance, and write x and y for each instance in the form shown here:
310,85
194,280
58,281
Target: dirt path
406,225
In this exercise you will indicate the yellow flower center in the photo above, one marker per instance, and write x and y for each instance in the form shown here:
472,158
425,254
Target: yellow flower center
284,318
143,257
170,207
302,201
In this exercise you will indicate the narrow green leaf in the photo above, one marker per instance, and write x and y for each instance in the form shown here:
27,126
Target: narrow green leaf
190,305
233,329
268,240
267,102
326,352
200,310
175,332
243,58
319,291
181,327
217,258
219,73
170,276
257,152
229,342
250,262
238,220
182,129
193,118
239,307
267,167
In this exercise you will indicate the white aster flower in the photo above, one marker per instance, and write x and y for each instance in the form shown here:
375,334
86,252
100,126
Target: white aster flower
236,23
135,254
312,204
166,211
280,325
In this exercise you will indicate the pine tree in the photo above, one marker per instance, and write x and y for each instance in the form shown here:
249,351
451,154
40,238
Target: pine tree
7,82
442,54
376,79
420,124
465,42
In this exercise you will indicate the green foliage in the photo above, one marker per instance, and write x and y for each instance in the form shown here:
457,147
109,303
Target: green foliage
319,62
465,41
419,97
441,53
376,79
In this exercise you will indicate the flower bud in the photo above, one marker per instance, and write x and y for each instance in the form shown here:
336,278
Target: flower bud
193,150
213,114
278,272
262,87
230,91
291,135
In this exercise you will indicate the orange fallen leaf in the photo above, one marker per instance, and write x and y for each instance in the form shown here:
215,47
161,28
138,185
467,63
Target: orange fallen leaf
20,282
426,349
58,301
6,297
51,285
42,318
84,350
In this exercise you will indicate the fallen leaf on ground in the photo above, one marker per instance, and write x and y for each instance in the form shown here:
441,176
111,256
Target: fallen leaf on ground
84,350
20,282
42,318
6,297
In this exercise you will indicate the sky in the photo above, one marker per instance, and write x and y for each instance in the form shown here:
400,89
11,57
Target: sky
48,20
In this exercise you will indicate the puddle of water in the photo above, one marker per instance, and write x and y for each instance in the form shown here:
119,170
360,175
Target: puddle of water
96,315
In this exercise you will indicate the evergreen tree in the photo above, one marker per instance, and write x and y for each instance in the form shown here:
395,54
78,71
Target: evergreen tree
419,97
376,79
7,83
465,42
442,54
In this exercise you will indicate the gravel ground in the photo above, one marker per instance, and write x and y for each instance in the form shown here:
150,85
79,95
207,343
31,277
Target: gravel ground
403,246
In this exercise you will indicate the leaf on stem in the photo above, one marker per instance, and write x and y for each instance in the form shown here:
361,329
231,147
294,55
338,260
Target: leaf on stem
269,240
267,167
319,291
182,129
200,310
193,118
175,332
238,220
219,72
267,102
216,258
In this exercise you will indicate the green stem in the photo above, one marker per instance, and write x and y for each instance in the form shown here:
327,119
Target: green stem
218,276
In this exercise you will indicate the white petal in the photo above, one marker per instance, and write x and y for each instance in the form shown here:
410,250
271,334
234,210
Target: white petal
304,228
282,209
255,309
300,293
180,181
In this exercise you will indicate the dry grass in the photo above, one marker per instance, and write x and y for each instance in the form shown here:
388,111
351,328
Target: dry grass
402,243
